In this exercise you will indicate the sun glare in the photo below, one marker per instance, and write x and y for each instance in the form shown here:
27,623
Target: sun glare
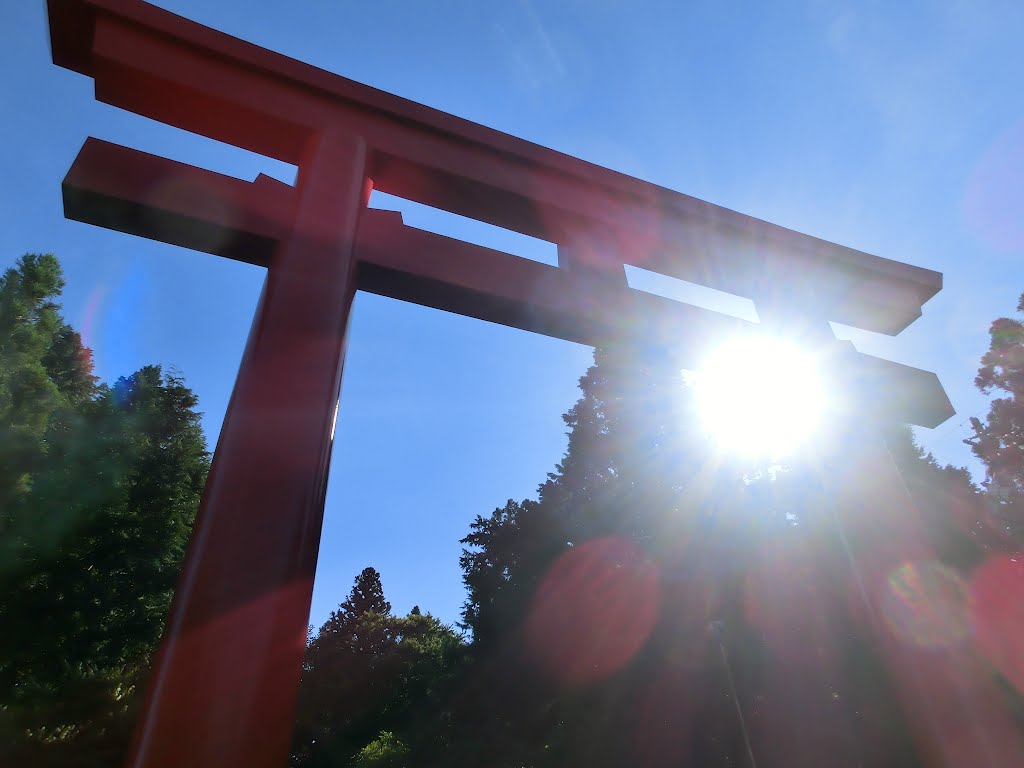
759,397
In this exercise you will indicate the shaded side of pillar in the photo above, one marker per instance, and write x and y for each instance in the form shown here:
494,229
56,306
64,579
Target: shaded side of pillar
224,683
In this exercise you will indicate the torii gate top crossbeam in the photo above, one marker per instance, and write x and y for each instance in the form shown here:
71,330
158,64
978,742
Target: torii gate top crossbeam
148,60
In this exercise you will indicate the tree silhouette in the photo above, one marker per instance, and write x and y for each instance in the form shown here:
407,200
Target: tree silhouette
591,608
999,441
367,596
374,685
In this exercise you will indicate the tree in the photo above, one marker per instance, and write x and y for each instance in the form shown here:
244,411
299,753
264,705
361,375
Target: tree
591,608
386,751
100,488
956,513
374,685
367,596
43,368
999,441
622,616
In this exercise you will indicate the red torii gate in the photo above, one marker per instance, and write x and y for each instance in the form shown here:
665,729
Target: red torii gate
224,683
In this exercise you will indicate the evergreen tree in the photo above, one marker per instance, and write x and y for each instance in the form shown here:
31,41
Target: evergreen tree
374,685
592,609
956,513
658,604
367,596
43,368
100,487
999,441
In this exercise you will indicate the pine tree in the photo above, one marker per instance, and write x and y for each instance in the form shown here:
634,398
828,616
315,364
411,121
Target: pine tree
43,368
591,607
367,596
100,487
374,685
999,441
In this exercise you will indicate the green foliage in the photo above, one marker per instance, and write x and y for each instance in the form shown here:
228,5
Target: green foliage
386,751
999,441
43,368
369,675
99,486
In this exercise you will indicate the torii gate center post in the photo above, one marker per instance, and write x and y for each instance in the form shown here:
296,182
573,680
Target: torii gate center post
223,685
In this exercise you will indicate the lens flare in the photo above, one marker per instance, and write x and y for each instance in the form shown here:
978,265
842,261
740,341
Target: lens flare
760,396
593,611
925,605
995,190
997,607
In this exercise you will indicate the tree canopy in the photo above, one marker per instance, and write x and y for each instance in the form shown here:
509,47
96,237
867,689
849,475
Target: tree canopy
600,611
374,685
99,487
999,441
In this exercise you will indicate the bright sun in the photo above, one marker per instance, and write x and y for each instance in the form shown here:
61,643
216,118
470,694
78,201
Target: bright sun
759,397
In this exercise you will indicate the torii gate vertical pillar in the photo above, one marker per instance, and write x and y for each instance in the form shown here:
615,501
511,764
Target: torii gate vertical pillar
224,684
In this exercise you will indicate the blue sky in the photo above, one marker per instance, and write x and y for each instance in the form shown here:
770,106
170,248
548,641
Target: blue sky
895,128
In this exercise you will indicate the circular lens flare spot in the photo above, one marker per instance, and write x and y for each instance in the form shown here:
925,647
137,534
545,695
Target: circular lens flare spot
593,611
925,605
759,396
995,193
997,603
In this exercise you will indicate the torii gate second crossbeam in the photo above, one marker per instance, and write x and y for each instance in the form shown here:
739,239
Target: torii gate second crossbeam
224,683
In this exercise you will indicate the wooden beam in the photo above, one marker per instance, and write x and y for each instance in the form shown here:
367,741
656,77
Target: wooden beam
158,64
142,194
